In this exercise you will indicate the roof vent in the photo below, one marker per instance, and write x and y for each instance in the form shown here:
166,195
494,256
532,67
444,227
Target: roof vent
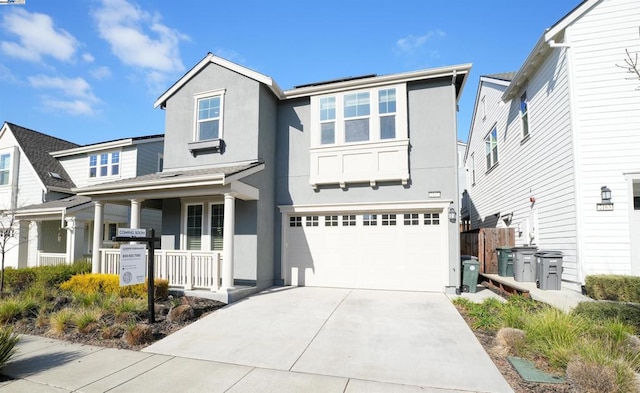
55,175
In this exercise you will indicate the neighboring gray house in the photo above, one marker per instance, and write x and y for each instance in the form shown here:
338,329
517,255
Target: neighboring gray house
38,172
553,148
346,183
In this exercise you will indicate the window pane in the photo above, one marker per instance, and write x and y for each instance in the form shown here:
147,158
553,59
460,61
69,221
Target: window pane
209,108
217,227
92,172
387,101
327,108
93,160
5,161
4,177
115,157
328,133
356,130
387,127
209,130
194,227
115,170
104,170
104,159
356,105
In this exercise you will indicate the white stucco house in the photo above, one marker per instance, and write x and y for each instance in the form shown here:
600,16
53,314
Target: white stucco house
49,223
548,142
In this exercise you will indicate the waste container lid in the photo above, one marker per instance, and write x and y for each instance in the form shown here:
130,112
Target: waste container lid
504,248
549,254
467,257
525,248
467,262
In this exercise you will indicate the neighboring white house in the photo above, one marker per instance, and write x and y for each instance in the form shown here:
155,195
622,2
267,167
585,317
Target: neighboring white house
547,140
37,174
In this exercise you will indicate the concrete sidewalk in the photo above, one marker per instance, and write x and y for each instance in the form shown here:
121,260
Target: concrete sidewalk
283,340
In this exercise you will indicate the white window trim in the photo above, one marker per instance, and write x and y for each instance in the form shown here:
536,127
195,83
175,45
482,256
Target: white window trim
522,115
374,116
208,94
12,165
109,165
205,244
208,227
494,161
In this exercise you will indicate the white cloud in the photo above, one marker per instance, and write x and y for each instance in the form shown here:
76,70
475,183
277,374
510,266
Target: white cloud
37,37
139,39
72,95
101,72
411,43
88,57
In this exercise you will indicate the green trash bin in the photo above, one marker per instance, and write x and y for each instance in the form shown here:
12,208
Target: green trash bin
470,271
505,261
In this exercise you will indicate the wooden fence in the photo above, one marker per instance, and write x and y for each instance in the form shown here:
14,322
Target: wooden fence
483,242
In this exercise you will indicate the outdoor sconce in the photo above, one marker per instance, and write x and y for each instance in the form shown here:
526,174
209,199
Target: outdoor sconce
59,235
452,215
605,196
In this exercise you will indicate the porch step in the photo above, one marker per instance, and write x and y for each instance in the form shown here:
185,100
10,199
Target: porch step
506,285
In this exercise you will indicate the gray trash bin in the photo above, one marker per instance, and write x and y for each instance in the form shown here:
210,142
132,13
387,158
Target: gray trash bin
470,271
549,269
505,261
524,263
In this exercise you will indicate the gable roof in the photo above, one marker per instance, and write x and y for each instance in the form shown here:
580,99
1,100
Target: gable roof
107,145
64,205
544,44
503,76
211,58
36,147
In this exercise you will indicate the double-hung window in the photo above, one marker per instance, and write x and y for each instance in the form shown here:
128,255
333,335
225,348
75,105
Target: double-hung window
104,164
491,147
356,117
194,227
5,168
524,115
327,120
217,227
387,111
209,110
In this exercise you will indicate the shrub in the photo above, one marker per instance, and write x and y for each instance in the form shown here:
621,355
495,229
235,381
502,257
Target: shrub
13,308
19,280
613,287
85,320
59,321
8,342
109,284
604,310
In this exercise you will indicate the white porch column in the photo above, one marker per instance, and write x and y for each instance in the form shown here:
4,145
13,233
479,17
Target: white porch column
98,219
227,241
70,227
135,212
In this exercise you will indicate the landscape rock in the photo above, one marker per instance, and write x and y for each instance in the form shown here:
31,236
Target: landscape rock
181,313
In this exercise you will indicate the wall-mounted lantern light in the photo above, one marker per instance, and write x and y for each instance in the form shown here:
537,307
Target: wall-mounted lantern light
452,215
605,196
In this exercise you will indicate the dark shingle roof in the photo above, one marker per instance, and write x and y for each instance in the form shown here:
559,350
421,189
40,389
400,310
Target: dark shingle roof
503,76
36,147
67,203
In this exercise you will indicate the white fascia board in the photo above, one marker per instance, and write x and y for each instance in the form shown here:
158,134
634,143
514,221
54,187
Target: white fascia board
494,81
40,212
379,80
211,58
243,174
473,119
150,185
387,207
571,17
135,141
528,68
92,148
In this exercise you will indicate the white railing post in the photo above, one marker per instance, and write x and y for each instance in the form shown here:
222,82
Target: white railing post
189,271
215,272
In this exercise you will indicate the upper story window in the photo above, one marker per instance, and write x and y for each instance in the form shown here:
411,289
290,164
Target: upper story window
371,115
209,110
5,168
104,164
524,114
491,147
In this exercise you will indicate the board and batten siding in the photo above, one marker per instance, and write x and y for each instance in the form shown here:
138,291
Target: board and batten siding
539,166
607,121
148,155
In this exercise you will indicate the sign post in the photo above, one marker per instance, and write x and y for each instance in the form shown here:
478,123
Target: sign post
132,253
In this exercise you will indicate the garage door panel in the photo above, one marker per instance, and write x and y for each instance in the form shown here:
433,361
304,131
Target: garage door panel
400,257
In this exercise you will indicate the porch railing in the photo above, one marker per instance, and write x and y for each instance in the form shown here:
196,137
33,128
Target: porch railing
186,269
51,258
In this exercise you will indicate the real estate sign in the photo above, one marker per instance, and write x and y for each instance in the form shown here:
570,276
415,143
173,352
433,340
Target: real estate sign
132,263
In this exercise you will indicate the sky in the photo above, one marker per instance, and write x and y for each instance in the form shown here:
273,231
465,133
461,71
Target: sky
89,71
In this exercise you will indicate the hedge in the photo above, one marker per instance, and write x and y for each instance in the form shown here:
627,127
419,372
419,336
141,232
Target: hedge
51,276
109,284
613,287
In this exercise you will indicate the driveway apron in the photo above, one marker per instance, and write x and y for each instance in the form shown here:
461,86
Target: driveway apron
410,338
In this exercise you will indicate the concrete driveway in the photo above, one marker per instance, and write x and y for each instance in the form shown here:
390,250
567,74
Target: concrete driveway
367,337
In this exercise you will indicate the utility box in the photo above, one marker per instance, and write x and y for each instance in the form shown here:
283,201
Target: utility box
524,263
470,271
505,261
549,269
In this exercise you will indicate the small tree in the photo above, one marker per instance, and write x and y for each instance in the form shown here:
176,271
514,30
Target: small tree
631,64
8,230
